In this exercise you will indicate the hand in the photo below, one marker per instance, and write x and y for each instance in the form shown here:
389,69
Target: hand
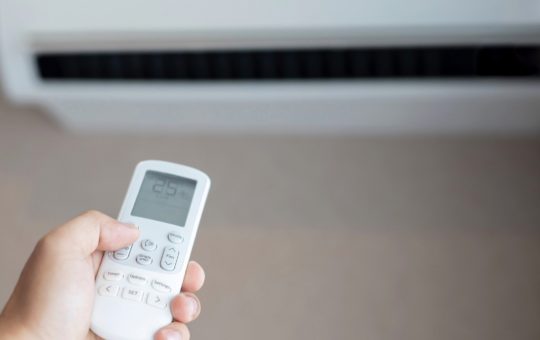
55,293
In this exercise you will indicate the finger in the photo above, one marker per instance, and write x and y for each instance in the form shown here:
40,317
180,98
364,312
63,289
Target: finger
185,307
92,336
97,256
93,231
194,279
174,331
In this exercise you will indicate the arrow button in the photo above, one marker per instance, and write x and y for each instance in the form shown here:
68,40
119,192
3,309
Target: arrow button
109,290
156,301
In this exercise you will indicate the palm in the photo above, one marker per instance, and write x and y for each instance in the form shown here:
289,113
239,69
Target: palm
54,296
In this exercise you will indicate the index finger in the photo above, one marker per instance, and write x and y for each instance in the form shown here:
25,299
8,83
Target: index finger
194,279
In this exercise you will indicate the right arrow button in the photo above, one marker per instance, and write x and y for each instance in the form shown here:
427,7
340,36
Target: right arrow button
169,258
156,301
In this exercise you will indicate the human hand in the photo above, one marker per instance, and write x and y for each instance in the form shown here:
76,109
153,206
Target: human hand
54,296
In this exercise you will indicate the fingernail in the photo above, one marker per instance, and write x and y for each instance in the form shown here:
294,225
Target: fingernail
193,306
129,225
171,334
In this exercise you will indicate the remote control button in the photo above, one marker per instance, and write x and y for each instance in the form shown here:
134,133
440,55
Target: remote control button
137,279
109,290
169,258
144,259
161,287
132,294
113,276
148,245
175,238
156,301
123,253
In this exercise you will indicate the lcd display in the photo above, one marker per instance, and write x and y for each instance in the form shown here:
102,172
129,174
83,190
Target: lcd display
164,197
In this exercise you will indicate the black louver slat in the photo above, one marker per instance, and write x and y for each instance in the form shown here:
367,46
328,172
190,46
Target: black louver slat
300,64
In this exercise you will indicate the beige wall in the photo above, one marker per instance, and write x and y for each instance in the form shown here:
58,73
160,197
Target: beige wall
313,237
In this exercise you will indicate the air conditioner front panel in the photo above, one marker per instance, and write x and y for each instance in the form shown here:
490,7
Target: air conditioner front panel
31,28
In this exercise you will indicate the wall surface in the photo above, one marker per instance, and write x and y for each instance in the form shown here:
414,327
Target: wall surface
313,237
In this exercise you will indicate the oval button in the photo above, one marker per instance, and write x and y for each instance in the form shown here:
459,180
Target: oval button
137,279
160,286
144,259
175,238
123,253
113,276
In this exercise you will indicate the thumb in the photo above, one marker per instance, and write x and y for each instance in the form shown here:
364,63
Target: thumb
93,231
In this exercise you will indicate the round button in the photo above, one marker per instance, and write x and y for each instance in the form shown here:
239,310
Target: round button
148,245
175,238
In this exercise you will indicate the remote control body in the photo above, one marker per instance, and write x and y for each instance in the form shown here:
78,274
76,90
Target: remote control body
134,285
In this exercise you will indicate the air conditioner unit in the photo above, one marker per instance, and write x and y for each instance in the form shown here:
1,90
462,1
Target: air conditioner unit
345,66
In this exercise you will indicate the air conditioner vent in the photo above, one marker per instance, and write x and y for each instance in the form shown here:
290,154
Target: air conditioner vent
299,64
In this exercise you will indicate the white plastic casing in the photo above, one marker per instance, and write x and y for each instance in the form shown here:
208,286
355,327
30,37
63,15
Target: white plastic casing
117,318
29,27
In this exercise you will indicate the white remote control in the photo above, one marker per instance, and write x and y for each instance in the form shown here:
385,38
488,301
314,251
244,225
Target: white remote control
135,285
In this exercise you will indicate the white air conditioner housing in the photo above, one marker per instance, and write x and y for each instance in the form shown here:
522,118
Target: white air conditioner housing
30,28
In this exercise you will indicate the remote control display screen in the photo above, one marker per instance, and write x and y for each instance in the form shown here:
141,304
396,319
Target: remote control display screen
164,197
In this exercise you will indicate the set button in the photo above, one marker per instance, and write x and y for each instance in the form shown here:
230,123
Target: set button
144,260
132,294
